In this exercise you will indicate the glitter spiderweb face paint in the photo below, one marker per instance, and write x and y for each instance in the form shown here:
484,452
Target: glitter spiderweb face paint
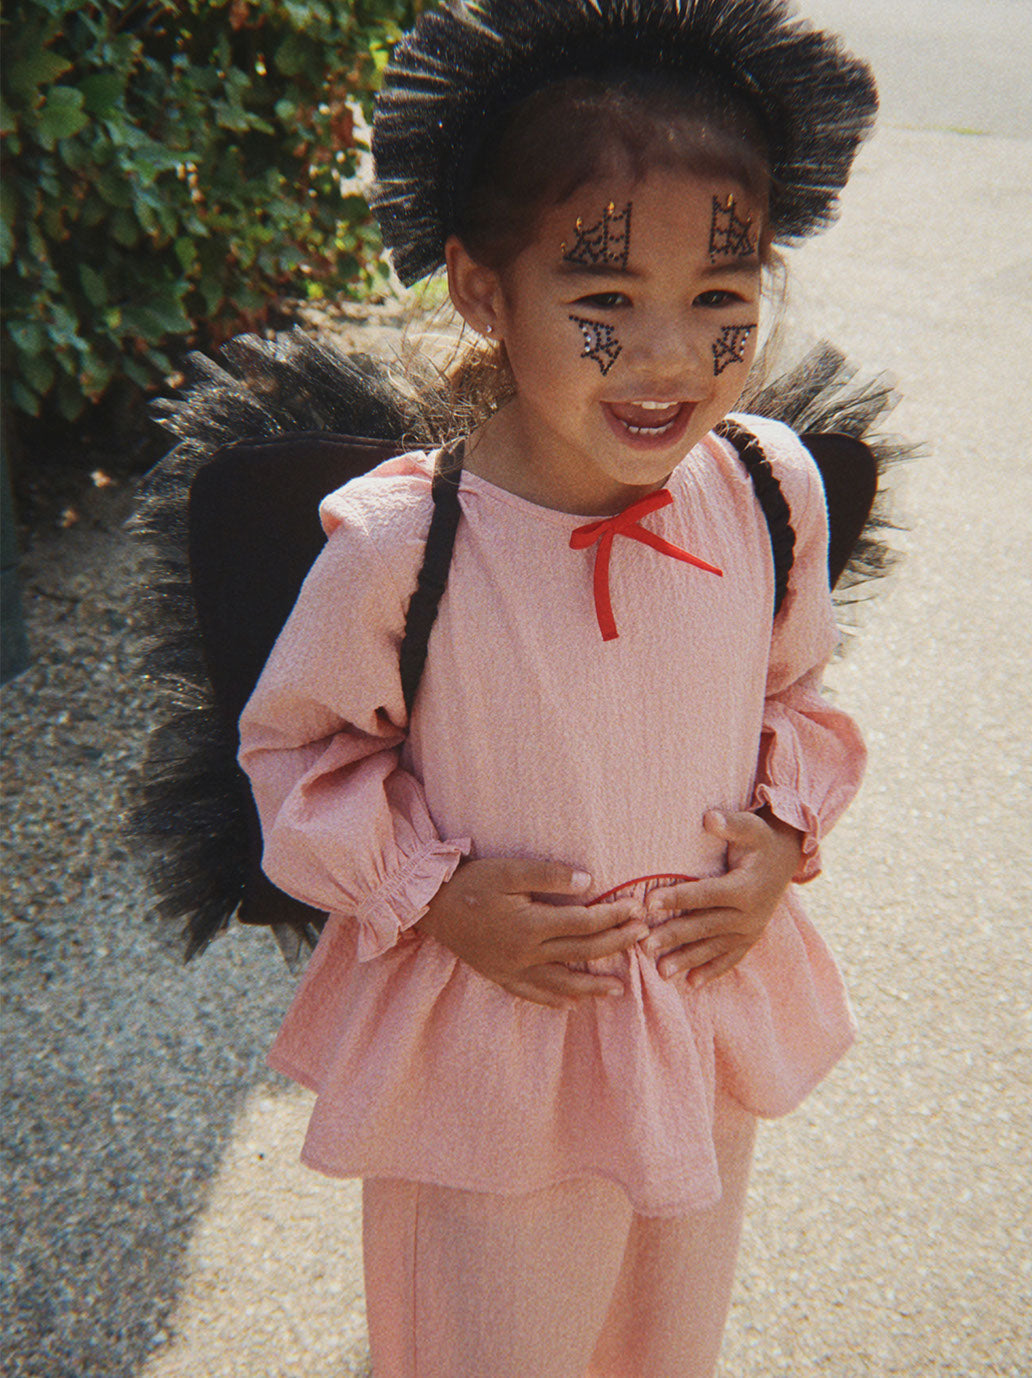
605,244
730,346
600,342
608,242
729,235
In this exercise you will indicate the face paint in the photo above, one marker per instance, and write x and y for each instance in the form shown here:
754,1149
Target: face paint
608,242
729,236
730,347
600,343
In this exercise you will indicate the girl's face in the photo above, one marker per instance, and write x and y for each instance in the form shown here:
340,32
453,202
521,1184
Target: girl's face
630,324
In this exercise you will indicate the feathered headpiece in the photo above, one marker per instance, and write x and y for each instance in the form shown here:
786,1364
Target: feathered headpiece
468,62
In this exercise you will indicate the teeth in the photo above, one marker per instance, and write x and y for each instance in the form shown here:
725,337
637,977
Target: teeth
654,406
650,430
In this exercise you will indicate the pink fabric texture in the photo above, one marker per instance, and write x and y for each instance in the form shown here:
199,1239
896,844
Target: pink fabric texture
534,737
464,1283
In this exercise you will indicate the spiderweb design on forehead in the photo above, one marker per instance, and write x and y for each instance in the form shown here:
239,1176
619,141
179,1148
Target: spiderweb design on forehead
600,342
730,346
729,235
608,242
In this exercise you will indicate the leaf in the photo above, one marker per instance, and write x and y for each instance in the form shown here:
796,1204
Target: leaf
39,69
162,315
47,178
74,154
136,372
291,55
186,252
102,92
38,372
28,336
94,379
24,398
147,216
125,230
7,243
114,188
93,285
8,119
61,116
160,361
70,401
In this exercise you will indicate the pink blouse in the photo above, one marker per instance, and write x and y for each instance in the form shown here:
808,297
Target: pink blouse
532,736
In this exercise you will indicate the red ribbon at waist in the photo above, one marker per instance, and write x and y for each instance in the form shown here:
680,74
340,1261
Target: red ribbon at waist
626,523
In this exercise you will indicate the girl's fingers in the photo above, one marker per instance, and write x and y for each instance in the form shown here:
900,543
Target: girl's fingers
692,928
578,985
745,829
583,920
690,895
694,956
524,991
591,946
520,877
701,976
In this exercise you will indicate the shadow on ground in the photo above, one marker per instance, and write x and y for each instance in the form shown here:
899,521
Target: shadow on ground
124,1071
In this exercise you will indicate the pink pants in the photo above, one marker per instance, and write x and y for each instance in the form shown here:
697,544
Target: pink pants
562,1283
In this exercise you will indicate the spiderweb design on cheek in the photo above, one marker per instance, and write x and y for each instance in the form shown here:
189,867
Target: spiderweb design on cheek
730,346
608,242
729,236
600,342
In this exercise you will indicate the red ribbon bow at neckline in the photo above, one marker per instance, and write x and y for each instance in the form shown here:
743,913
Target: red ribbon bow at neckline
626,523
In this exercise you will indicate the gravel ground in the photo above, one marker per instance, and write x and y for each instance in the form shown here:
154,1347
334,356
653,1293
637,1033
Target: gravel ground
122,1071
157,1224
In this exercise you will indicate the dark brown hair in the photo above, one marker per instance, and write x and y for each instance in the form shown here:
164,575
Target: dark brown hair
583,128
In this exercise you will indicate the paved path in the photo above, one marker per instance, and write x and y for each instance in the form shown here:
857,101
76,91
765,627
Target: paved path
942,64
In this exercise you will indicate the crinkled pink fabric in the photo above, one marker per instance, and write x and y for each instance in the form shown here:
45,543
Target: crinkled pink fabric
533,737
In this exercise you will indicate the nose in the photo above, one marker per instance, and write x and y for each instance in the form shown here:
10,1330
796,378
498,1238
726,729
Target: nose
669,350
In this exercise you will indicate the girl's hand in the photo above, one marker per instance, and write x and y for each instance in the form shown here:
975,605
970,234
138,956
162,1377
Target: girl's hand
489,916
718,920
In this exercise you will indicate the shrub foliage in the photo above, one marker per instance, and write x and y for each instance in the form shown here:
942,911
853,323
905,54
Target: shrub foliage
175,162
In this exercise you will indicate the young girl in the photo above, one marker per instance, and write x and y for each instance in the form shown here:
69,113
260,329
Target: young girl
564,970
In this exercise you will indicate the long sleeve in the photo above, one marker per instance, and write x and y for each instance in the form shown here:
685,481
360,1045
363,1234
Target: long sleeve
345,828
811,757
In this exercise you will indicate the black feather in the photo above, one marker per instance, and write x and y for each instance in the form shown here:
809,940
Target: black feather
463,64
824,393
190,814
189,811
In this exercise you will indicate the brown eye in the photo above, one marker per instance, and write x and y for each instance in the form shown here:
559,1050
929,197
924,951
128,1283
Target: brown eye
717,298
602,301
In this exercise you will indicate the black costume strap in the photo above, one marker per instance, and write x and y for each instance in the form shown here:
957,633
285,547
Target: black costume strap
433,576
772,503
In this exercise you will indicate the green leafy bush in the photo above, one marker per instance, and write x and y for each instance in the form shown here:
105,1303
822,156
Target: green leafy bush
172,163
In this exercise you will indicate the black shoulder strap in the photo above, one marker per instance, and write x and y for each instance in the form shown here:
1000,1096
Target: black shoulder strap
433,576
772,503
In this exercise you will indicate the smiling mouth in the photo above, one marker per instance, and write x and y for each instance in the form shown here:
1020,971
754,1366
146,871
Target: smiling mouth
649,420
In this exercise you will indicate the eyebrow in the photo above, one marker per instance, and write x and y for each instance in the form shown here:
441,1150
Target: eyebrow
739,267
567,269
734,268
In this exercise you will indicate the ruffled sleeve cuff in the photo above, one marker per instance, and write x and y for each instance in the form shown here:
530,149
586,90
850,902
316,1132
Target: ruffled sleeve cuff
404,896
786,804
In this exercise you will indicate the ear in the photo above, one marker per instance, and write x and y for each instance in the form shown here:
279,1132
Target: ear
475,291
